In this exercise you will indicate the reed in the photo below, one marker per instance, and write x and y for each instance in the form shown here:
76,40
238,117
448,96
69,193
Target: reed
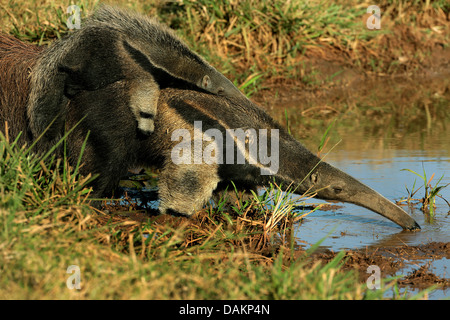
430,191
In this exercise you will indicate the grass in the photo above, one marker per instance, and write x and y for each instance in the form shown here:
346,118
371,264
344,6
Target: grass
259,43
431,192
226,252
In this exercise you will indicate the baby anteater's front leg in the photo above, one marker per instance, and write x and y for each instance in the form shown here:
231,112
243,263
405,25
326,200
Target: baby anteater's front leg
144,95
184,189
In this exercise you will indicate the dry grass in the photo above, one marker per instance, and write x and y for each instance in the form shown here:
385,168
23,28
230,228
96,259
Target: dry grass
273,41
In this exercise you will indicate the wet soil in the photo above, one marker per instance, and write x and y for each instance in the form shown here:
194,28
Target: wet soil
336,80
393,260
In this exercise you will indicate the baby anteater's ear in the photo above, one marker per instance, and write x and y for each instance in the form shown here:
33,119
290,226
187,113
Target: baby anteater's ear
86,60
94,63
206,83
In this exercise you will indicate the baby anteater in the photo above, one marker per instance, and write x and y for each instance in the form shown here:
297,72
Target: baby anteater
115,44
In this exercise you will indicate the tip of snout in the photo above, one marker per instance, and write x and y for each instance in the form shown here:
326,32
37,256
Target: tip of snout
405,221
412,227
232,92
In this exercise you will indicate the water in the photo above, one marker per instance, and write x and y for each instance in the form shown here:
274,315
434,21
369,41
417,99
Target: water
379,165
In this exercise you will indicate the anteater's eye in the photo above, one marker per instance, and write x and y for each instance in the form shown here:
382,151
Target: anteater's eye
221,91
337,190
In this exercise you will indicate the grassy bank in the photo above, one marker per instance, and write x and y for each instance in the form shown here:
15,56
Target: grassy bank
260,43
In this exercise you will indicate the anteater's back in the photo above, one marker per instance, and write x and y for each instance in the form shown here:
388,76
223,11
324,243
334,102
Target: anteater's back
17,59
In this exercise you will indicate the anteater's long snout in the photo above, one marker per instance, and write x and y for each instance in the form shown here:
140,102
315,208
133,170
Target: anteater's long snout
333,184
376,202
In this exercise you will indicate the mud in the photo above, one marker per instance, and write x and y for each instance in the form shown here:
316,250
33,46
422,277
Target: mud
393,262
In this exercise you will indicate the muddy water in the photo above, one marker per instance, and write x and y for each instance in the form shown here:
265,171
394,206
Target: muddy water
379,163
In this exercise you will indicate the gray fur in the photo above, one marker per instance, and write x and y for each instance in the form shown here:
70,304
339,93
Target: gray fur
115,44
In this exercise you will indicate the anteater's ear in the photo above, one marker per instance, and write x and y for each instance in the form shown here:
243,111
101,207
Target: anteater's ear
87,60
